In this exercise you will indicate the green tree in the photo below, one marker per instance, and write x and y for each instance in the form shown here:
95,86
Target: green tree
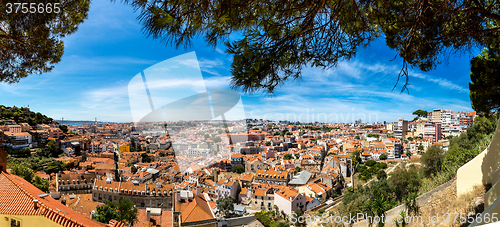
408,154
485,84
420,148
133,143
298,213
216,139
273,43
27,151
238,169
31,43
51,146
23,171
383,156
43,152
226,205
105,213
146,158
297,169
268,143
127,212
123,210
381,174
468,145
356,158
404,181
370,163
41,184
64,128
420,113
432,160
287,156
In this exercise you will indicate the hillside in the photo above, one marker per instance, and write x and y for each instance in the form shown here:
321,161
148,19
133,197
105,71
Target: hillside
22,115
437,166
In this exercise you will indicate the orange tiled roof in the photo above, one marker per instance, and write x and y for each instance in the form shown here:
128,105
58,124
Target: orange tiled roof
195,210
17,195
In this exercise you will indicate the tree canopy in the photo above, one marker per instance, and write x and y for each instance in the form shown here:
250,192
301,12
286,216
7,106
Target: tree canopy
123,210
31,43
432,159
238,169
226,204
420,113
29,175
485,83
146,158
271,42
287,156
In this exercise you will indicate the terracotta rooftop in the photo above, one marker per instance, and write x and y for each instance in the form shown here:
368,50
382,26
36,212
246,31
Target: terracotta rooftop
193,210
17,195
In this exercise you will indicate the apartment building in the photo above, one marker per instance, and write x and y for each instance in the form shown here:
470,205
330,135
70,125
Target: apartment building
289,200
272,177
75,183
400,128
156,195
227,187
262,198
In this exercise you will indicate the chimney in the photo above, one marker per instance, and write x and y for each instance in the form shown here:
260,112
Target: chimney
35,203
178,196
148,214
198,193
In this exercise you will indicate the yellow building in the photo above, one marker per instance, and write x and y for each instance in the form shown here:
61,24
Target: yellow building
346,146
420,129
124,148
22,204
25,127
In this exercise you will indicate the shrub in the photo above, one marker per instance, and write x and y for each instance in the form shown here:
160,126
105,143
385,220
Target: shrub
370,163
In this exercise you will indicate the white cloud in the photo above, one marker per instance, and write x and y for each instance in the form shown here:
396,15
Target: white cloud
442,82
205,65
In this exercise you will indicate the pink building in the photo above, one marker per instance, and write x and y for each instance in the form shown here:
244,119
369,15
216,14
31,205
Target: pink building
289,200
432,131
14,128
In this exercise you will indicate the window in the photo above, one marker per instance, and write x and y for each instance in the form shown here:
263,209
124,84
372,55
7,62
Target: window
15,223
255,201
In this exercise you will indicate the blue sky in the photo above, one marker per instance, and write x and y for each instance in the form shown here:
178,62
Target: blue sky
109,49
